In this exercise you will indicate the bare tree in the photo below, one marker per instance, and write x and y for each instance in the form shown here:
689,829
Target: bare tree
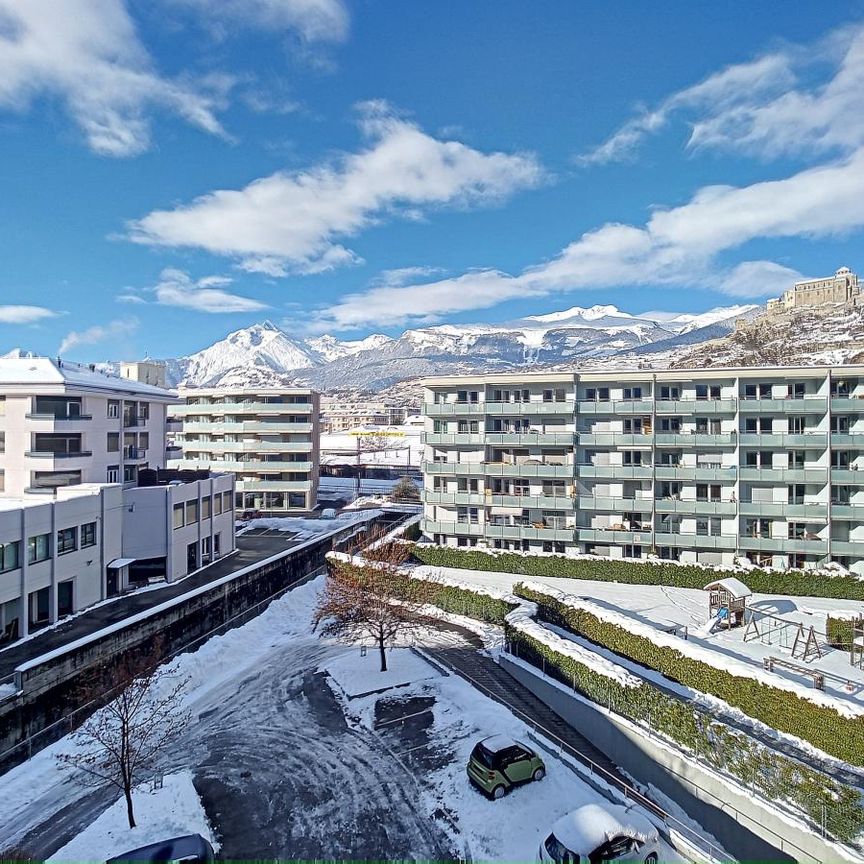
374,442
406,490
373,597
121,741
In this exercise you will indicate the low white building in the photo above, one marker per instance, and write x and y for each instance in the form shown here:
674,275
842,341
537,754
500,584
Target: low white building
175,522
57,555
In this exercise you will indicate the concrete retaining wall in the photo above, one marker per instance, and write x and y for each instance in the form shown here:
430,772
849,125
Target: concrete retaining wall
54,688
753,833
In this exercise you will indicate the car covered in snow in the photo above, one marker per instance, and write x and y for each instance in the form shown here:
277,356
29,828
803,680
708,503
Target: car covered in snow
596,833
499,763
191,848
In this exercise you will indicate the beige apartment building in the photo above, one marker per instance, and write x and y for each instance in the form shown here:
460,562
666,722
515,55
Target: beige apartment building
62,424
268,438
692,465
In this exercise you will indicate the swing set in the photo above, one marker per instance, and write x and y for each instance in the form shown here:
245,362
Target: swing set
774,630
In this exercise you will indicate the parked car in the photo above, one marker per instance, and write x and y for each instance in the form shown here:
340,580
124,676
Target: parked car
190,849
596,833
499,763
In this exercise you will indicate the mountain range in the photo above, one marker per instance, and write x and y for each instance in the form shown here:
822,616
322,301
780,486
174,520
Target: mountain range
267,355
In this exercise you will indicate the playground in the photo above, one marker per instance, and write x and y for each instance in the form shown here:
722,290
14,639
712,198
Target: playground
782,636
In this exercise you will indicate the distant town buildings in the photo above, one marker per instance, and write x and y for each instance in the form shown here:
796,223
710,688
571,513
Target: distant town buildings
151,372
268,438
339,415
842,287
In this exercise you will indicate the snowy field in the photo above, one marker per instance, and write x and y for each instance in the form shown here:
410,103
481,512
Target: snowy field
284,769
663,607
406,449
358,673
162,813
306,529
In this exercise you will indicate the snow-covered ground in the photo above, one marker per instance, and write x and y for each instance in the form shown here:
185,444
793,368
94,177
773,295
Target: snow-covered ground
305,529
358,672
662,607
161,813
407,447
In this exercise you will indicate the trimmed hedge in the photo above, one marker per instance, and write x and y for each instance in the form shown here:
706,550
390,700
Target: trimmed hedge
795,583
825,728
769,773
840,632
461,601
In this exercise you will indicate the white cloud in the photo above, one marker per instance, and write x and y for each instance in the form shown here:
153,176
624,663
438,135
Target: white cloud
781,103
25,314
291,221
100,333
314,20
177,288
86,53
677,246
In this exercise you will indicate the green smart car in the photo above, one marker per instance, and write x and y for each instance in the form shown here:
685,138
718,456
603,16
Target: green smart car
499,763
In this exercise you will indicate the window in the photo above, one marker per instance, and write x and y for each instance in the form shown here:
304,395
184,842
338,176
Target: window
205,507
670,424
797,530
144,410
795,493
114,408
65,598
670,392
143,441
796,458
467,515
9,553
840,459
54,479
227,505
205,547
632,457
59,444
631,394
130,473
191,512
112,475
67,540
217,545
88,534
113,442
2,442
797,425
178,516
38,548
469,426
796,391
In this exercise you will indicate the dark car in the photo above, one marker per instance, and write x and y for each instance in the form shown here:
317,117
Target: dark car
191,848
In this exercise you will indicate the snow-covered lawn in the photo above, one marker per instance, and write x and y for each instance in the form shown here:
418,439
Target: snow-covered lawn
660,607
358,674
305,529
160,814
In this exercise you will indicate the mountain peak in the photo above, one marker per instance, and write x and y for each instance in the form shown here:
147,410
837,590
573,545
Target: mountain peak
592,313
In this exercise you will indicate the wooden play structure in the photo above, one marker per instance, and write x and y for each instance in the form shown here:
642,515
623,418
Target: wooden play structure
771,629
727,602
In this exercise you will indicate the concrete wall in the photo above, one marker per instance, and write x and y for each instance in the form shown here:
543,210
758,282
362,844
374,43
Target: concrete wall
754,833
51,697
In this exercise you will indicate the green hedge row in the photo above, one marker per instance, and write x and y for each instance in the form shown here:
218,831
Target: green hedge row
840,736
775,777
797,583
461,601
840,632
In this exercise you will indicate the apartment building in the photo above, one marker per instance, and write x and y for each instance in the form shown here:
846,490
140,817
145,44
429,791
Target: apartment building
268,438
338,415
691,465
62,424
57,555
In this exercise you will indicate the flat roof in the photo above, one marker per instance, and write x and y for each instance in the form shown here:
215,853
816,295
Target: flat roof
242,390
30,371
611,373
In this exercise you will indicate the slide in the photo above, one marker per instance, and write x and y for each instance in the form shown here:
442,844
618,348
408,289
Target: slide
708,628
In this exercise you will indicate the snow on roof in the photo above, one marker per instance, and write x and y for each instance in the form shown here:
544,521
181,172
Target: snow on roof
121,562
497,743
734,586
44,370
584,829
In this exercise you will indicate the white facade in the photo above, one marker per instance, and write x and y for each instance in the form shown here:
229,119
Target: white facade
692,465
175,528
62,424
269,438
55,554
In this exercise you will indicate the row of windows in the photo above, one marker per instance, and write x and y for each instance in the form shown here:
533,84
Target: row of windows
186,513
39,546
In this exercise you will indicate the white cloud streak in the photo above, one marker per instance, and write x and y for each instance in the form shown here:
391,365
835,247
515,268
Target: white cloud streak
87,54
293,221
25,314
772,106
176,288
117,329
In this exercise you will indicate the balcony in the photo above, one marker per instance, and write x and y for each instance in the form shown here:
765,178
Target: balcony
613,536
614,505
689,506
218,408
531,439
783,545
614,439
453,468
458,529
450,409
848,512
783,510
530,532
847,476
461,438
528,408
847,547
219,446
245,426
615,472
847,439
695,440
620,406
134,453
273,485
50,454
847,404
807,405
528,469
785,475
58,418
696,472
475,499
535,502
703,407
696,541
804,441
259,465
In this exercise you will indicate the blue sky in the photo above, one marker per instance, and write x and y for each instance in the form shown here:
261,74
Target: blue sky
175,169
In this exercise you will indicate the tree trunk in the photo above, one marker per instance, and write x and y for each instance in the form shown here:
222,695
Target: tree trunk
127,791
383,654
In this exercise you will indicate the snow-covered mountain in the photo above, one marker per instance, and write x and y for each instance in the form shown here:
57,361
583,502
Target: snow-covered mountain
266,355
